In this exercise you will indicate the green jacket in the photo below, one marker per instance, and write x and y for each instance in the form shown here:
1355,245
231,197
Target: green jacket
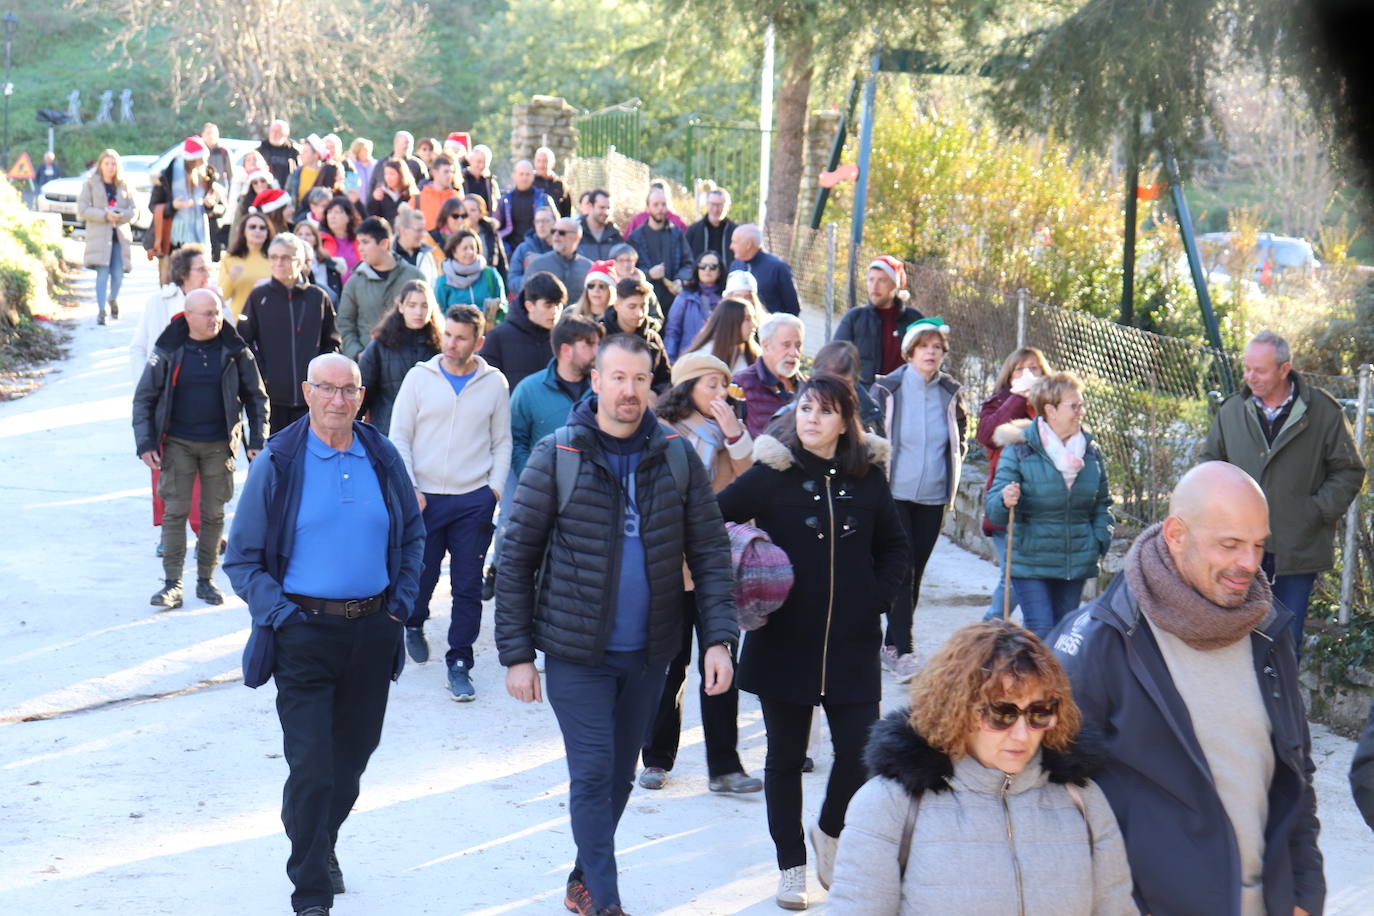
1060,533
1309,475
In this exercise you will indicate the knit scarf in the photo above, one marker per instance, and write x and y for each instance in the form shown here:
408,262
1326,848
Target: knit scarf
1176,607
462,276
709,440
1067,456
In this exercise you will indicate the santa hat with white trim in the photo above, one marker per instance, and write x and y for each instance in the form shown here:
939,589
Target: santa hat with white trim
896,272
271,200
193,148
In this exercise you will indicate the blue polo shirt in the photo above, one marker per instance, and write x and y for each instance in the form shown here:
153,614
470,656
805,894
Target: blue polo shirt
340,548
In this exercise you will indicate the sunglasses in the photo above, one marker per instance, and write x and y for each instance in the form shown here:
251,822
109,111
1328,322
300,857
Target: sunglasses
1039,715
708,267
598,286
564,232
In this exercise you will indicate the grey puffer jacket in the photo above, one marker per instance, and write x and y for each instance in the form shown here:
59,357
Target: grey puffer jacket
571,615
984,843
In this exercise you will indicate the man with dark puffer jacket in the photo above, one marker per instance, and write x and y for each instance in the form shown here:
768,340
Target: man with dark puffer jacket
607,614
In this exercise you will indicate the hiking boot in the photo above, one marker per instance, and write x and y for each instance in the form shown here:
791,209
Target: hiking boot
737,783
169,596
791,893
653,778
313,911
908,666
578,899
114,309
416,644
335,874
208,592
489,584
887,657
825,846
460,683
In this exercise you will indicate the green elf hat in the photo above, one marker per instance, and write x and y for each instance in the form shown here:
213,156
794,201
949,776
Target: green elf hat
920,327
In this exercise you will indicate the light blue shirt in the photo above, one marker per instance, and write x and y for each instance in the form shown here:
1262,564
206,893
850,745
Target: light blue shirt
340,549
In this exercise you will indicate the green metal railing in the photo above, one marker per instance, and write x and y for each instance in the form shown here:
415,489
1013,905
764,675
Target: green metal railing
616,126
727,154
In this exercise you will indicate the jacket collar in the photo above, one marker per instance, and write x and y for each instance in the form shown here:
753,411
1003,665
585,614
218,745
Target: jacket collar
893,380
433,364
770,451
177,332
895,751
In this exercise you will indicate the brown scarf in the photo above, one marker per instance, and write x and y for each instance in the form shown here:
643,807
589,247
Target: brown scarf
1176,607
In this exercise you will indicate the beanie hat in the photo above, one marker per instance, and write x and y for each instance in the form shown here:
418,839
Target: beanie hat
896,272
271,200
261,175
193,148
763,574
602,272
919,327
740,281
695,365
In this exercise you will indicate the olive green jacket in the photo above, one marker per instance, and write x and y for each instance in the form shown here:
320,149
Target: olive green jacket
1309,475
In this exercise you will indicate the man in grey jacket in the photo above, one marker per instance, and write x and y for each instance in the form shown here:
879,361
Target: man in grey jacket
1187,670
564,261
592,576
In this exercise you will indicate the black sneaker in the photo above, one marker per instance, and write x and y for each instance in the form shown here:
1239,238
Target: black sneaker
169,596
489,584
578,899
416,644
335,874
313,911
208,592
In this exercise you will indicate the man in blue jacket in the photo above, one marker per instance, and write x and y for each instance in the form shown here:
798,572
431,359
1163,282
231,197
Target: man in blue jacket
777,290
1187,669
326,550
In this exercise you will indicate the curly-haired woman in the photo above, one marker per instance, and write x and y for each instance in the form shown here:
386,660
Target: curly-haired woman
981,801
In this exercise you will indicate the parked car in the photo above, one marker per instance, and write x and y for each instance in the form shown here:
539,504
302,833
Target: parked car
59,195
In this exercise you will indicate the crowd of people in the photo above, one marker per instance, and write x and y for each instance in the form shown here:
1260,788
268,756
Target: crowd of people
607,431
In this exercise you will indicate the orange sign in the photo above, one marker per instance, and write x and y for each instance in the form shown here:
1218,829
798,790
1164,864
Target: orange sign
22,170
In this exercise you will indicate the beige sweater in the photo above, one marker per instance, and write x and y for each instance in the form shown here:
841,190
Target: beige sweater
453,444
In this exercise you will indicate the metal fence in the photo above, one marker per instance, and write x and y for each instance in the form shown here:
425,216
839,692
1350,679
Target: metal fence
727,154
616,126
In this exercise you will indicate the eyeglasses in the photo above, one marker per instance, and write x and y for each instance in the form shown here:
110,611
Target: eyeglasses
1039,715
1075,407
565,232
350,392
708,267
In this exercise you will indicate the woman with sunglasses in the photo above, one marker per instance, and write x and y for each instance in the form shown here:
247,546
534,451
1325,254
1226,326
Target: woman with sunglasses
1053,475
598,290
980,802
694,304
818,489
245,264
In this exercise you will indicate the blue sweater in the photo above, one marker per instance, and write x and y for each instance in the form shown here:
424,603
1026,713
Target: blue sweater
776,290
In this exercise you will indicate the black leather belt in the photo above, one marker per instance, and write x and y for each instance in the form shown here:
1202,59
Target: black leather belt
357,607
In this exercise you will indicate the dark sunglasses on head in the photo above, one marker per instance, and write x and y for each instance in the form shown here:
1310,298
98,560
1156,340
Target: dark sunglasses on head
1039,715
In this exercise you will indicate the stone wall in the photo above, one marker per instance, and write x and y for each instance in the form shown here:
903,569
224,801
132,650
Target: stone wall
820,136
545,120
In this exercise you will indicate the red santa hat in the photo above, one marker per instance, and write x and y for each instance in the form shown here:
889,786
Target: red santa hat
602,272
270,200
261,175
460,139
193,148
896,272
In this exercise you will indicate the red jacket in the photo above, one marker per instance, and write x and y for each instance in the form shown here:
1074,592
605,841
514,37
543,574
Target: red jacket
1002,407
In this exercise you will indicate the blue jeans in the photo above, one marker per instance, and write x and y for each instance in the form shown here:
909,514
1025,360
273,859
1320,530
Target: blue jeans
605,713
461,525
112,275
1293,592
1045,602
998,538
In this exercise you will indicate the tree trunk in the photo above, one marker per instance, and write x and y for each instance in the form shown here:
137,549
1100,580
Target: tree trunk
789,132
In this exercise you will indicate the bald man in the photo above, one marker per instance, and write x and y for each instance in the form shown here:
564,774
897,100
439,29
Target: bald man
1186,669
198,383
326,550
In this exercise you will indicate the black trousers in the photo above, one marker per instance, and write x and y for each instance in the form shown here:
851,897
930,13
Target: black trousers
922,526
789,728
333,675
283,415
719,714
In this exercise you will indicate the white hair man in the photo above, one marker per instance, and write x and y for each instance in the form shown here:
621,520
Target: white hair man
772,380
776,289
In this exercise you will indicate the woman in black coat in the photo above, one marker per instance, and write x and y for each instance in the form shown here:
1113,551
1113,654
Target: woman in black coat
408,333
819,491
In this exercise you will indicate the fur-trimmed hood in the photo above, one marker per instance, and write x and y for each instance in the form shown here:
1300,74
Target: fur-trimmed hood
1013,433
895,751
771,452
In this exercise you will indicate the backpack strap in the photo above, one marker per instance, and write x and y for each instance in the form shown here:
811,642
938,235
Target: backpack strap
567,461
677,464
908,829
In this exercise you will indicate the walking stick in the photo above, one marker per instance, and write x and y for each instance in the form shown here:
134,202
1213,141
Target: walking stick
1006,566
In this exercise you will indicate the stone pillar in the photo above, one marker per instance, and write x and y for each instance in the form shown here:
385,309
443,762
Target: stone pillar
820,135
543,121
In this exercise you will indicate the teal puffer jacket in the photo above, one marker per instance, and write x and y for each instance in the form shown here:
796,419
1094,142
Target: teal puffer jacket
1060,533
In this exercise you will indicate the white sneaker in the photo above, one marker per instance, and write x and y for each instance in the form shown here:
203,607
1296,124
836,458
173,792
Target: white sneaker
887,657
792,888
825,846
